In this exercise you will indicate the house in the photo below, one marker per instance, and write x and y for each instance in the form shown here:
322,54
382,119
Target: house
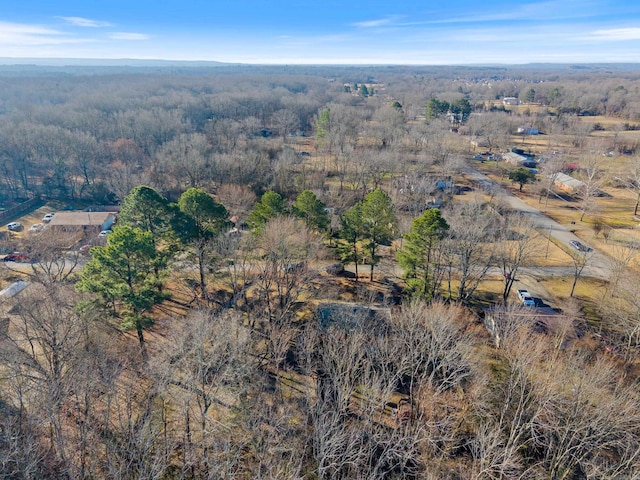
510,101
567,183
350,315
480,143
528,130
501,320
517,159
90,223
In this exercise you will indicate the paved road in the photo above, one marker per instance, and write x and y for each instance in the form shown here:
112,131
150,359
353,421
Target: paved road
597,262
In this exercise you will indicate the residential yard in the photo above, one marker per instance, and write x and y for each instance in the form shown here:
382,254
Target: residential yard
610,227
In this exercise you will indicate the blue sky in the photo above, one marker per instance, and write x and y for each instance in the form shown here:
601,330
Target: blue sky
321,32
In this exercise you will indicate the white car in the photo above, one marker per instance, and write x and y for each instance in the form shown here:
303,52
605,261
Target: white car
47,218
14,226
104,233
580,247
36,227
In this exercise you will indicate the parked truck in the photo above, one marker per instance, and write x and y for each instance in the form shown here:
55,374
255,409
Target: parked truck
526,298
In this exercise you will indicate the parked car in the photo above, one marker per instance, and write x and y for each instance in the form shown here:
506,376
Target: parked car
14,226
47,218
104,233
36,227
16,257
580,246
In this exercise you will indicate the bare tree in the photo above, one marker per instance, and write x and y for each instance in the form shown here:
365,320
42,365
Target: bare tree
43,350
550,169
578,130
442,149
620,258
287,251
631,180
204,365
338,127
580,260
588,428
238,199
135,444
186,160
387,125
517,403
591,174
470,248
124,177
52,260
351,437
285,122
622,313
491,127
516,237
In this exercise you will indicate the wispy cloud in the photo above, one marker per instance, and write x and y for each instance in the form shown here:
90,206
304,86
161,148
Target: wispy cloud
85,22
9,29
618,34
547,11
128,36
26,34
381,22
290,41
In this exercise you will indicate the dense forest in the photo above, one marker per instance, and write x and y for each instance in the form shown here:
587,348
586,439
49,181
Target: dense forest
296,285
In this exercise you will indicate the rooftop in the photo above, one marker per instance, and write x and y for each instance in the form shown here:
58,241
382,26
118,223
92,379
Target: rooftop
81,218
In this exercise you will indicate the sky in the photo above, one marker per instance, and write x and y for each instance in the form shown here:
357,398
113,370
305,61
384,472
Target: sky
449,32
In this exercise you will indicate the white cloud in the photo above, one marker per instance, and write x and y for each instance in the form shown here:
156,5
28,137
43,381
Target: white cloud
85,22
618,34
128,36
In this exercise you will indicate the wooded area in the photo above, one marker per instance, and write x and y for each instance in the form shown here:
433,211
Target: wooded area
311,273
